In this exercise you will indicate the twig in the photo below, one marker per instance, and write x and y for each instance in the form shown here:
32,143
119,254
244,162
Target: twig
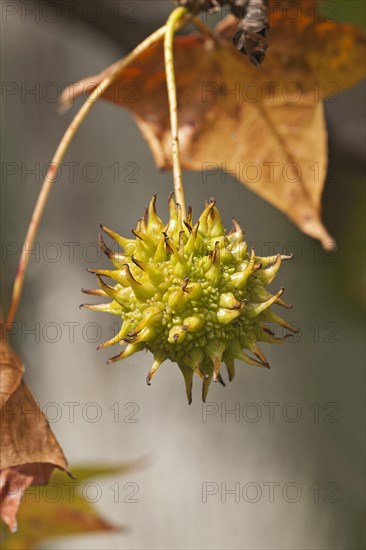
60,153
205,29
173,19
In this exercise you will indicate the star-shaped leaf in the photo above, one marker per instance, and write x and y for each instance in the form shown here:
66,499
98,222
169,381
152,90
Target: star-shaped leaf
264,125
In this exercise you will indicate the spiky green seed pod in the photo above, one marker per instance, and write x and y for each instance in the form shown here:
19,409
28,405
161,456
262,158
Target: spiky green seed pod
191,294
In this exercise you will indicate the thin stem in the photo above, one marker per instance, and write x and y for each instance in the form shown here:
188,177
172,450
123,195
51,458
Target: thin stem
173,19
115,70
205,29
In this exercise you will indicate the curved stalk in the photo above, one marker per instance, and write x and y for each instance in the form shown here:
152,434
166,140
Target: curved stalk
173,20
116,69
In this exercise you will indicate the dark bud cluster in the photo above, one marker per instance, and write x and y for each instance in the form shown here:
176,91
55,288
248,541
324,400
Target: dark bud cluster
251,36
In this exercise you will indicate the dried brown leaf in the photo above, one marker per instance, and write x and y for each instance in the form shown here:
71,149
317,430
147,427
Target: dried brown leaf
264,125
11,371
29,450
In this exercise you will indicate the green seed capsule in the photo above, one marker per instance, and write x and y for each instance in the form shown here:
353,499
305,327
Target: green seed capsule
191,294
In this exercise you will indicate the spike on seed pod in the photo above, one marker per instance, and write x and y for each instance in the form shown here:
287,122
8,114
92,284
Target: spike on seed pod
159,358
104,248
192,294
122,241
115,274
230,366
188,380
95,292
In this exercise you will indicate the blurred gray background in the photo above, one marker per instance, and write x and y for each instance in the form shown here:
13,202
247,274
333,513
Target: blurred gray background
316,439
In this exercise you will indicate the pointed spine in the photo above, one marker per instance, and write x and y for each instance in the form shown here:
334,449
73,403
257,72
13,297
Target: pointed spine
116,258
228,301
253,310
194,243
213,274
205,387
128,245
270,317
118,337
142,291
230,367
152,317
214,223
155,275
159,358
144,335
239,279
203,218
110,290
154,225
161,255
112,308
268,260
238,353
215,350
226,316
94,292
115,274
175,224
267,275
127,352
188,380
